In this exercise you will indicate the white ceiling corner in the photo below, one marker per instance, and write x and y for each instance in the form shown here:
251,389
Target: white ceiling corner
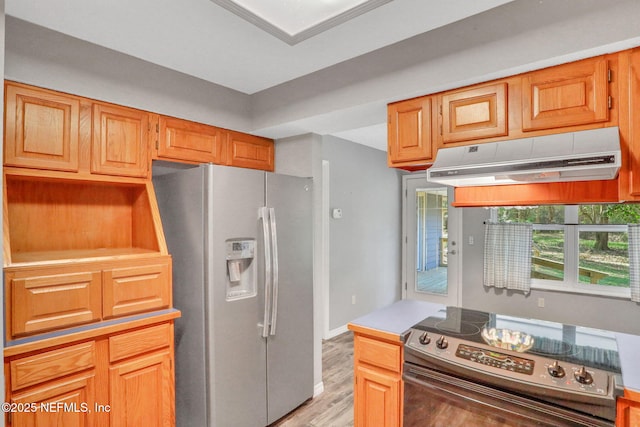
293,21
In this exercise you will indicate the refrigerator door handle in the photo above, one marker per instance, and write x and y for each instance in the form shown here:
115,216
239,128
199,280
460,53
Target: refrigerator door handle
263,214
274,284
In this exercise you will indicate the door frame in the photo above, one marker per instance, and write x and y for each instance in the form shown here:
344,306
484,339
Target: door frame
454,265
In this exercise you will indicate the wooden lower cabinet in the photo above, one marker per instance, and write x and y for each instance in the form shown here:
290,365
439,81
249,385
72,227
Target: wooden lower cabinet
117,380
57,403
378,403
628,411
378,390
142,392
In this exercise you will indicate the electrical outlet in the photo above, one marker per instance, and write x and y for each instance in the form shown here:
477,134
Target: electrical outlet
541,302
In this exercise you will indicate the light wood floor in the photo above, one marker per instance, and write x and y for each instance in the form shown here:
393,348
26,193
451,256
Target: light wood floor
334,407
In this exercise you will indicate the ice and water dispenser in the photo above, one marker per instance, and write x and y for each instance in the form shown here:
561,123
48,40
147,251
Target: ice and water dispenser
241,269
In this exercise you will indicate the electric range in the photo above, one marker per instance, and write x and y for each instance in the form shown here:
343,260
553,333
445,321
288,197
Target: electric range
567,366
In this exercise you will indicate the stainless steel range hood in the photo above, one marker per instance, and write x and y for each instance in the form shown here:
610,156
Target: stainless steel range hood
576,156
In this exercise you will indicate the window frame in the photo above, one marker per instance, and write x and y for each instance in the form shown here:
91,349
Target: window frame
571,280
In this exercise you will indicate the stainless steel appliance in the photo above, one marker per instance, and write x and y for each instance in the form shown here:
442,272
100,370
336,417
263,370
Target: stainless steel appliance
242,276
453,377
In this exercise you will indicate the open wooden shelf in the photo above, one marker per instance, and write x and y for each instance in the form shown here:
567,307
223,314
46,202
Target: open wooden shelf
50,221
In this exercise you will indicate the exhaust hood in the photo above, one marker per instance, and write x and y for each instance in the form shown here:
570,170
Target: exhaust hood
575,156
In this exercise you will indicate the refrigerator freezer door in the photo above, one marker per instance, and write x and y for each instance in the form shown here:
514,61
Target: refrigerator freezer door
236,347
290,350
181,202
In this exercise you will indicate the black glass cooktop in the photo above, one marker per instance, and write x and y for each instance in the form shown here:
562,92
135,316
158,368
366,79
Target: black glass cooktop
573,344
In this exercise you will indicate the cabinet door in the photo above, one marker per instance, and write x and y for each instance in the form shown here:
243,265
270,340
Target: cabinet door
68,402
479,112
248,151
120,144
567,95
133,289
377,398
190,141
628,413
41,129
40,302
142,392
410,138
633,168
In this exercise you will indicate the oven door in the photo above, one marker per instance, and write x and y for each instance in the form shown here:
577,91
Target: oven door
434,399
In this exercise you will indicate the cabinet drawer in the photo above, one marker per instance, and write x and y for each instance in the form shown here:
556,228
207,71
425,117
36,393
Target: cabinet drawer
378,353
137,342
52,364
40,303
135,289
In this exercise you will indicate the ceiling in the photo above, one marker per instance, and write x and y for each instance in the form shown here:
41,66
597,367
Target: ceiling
337,79
203,39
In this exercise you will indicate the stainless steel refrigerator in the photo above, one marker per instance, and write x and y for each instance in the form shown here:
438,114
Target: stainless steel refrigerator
241,242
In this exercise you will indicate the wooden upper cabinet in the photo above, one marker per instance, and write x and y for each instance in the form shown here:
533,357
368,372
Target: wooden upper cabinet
410,133
120,141
41,129
567,95
248,151
473,113
193,142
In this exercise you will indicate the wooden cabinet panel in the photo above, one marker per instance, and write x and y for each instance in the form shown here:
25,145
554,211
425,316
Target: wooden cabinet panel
52,364
478,112
120,141
628,413
190,141
248,151
138,342
142,392
378,353
44,302
67,402
41,129
378,388
378,402
410,134
132,289
631,128
566,95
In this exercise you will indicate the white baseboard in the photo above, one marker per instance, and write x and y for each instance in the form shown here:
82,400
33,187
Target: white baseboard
318,389
335,332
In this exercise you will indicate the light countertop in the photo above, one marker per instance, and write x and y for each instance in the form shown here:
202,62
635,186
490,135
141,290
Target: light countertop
397,318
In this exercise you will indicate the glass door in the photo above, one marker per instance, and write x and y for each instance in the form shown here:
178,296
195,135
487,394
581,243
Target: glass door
431,254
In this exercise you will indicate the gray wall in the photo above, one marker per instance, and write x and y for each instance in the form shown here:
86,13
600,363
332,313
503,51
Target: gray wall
587,310
358,254
365,244
42,57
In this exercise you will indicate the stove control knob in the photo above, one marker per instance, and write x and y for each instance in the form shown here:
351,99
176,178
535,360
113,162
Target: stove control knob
582,376
442,343
556,371
424,339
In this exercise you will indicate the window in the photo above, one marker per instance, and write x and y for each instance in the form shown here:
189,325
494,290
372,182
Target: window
578,248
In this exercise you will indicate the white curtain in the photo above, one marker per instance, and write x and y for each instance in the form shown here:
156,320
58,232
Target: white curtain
634,261
507,256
